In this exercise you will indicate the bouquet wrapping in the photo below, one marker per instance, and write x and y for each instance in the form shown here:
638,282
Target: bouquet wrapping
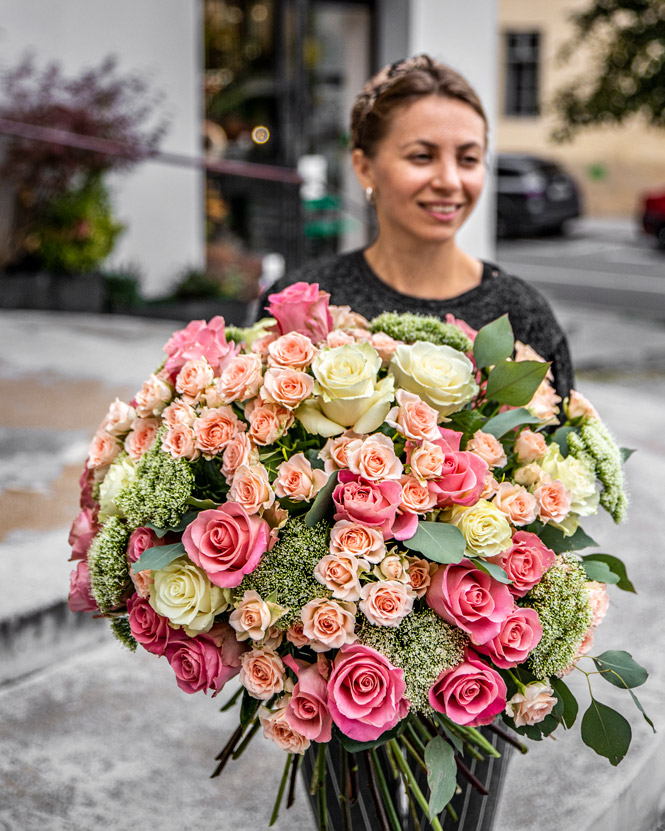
376,526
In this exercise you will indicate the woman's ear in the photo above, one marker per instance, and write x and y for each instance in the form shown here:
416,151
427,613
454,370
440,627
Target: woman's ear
362,166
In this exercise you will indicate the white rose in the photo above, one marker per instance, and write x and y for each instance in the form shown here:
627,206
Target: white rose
183,593
118,476
578,477
440,375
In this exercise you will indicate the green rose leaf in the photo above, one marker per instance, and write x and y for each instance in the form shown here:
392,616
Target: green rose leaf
514,382
321,503
493,570
502,423
202,504
568,700
441,774
606,731
494,342
561,438
598,570
159,556
616,567
620,669
467,422
354,746
554,538
438,541
641,709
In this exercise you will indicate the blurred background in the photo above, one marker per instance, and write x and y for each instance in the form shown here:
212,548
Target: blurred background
164,160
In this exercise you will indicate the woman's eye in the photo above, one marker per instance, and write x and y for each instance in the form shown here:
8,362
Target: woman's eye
420,157
470,160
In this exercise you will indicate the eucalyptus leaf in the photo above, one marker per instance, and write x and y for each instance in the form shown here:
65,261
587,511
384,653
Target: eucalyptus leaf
554,538
494,342
598,570
620,669
504,422
515,382
185,520
158,557
322,502
438,541
617,567
493,570
626,453
606,731
561,438
441,774
570,705
641,709
202,504
456,742
354,746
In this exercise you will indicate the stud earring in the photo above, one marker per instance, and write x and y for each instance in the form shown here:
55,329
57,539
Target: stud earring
370,198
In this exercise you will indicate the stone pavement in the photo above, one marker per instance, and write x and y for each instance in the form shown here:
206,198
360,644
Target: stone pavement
94,737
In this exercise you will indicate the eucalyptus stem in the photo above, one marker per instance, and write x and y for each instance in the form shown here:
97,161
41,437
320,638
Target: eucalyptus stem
295,765
452,813
391,761
321,786
280,792
419,724
413,784
517,681
245,742
453,729
385,794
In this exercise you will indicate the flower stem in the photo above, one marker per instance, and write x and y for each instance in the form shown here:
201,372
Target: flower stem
413,752
508,737
227,706
297,759
280,792
248,738
344,789
481,741
321,786
413,784
383,789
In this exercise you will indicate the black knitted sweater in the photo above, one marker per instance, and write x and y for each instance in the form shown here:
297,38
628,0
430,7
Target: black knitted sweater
351,282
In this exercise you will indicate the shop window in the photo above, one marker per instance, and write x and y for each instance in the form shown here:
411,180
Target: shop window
522,70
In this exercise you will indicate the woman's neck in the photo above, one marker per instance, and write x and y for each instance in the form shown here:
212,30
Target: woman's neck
435,272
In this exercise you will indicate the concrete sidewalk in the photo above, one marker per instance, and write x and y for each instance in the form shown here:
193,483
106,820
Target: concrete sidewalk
96,737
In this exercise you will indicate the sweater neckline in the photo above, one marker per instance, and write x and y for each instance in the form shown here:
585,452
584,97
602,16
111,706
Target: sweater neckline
489,272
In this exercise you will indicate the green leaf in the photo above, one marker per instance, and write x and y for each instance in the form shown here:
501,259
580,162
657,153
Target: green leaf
467,422
598,570
620,669
202,504
514,382
457,743
502,423
616,567
159,556
641,709
321,504
186,520
248,708
561,438
494,342
354,746
570,705
441,774
626,453
438,541
492,569
553,538
606,731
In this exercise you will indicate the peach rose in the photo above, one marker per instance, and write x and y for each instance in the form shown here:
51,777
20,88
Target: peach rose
340,573
531,706
142,581
286,387
253,617
490,487
179,412
194,377
277,729
262,673
215,428
516,503
387,602
291,351
239,451
241,378
180,442
374,458
599,600
333,452
260,345
267,422
295,634
413,417
251,488
339,338
420,574
344,318
385,346
347,537
488,447
416,497
577,406
426,460
103,450
544,404
329,624
144,431
524,352
554,501
119,418
297,480
530,446
153,396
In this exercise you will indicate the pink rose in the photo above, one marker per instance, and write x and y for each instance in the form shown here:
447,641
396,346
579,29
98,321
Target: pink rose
103,450
462,326
143,434
153,396
370,503
215,429
374,458
416,497
197,662
241,378
151,630
339,338
232,650
86,482
462,479
345,318
251,488
297,480
520,633
488,447
472,693
554,501
226,543
198,340
286,387
426,460
533,705
239,451
519,506
365,693
328,624
84,529
307,710
339,573
140,540
262,673
413,417
194,377
333,452
302,308
530,446
387,602
80,597
525,562
276,727
180,442
470,599
358,540
267,422
292,351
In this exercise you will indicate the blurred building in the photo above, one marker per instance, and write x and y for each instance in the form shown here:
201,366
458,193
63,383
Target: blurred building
613,165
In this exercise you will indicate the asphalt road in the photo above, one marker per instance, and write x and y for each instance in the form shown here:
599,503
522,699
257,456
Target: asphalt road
601,263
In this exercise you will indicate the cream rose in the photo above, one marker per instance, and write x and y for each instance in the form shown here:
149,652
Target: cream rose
578,477
387,602
440,375
393,567
328,624
183,593
484,527
118,476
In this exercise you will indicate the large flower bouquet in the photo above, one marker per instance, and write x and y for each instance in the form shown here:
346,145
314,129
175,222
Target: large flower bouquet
376,526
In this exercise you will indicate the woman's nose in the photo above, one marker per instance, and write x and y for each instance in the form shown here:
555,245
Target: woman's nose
446,176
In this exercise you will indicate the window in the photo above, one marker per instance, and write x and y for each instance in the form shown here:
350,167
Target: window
521,96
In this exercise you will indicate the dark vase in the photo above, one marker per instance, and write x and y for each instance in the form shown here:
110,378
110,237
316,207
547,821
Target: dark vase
475,811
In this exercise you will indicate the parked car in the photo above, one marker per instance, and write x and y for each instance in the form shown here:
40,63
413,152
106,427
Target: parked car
534,195
653,214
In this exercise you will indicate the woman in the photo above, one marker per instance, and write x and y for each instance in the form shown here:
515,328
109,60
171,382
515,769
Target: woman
419,139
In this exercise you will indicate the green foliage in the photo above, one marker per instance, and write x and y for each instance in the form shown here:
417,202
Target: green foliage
195,284
494,342
514,382
624,42
595,445
606,731
555,539
441,774
122,289
323,503
570,707
615,566
107,560
354,746
159,556
620,669
501,424
438,541
410,328
122,631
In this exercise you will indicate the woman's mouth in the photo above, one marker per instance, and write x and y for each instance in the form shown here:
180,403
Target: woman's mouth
442,211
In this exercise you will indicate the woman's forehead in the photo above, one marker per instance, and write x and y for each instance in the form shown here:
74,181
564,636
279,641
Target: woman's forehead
435,119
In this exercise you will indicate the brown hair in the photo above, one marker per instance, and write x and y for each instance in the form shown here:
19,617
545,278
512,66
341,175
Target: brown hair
401,83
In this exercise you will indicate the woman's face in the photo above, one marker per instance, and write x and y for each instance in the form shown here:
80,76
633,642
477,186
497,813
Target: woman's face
428,171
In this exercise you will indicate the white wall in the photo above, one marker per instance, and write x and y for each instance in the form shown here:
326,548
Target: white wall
161,205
